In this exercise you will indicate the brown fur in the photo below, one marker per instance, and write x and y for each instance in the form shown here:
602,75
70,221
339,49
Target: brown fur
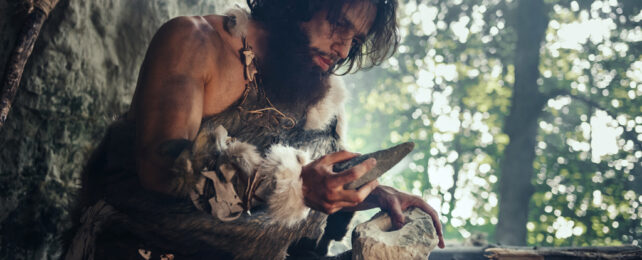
173,224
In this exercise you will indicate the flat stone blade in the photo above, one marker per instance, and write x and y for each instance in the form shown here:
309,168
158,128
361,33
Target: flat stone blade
386,159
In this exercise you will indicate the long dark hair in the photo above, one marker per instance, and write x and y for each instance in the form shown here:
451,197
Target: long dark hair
380,44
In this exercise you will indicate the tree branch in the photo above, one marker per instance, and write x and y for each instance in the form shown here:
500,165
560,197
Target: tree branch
21,53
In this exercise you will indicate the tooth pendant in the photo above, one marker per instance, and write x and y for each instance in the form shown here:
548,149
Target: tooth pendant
250,69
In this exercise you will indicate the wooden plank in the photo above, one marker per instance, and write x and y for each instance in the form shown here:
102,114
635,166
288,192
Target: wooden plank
537,253
450,253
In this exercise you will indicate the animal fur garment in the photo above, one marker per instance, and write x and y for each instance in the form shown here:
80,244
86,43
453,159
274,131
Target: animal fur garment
248,134
282,168
320,115
275,179
92,222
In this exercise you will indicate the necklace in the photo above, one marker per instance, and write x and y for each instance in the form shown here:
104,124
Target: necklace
247,57
250,73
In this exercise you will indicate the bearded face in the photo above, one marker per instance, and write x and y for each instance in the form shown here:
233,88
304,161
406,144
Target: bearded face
287,69
300,57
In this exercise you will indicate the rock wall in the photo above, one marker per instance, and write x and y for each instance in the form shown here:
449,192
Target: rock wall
81,75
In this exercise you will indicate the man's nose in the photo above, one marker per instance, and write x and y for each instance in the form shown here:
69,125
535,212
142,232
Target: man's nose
342,47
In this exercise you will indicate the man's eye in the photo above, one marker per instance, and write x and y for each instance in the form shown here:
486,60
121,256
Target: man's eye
357,42
342,23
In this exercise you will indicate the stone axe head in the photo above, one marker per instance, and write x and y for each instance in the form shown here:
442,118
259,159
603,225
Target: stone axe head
385,160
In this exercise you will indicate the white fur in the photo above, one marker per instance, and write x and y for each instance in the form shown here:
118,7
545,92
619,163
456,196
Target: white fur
243,155
283,165
220,133
320,115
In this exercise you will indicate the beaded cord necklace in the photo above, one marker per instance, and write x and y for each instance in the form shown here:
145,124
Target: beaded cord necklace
254,83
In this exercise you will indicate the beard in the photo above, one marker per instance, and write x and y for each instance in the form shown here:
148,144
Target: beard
287,72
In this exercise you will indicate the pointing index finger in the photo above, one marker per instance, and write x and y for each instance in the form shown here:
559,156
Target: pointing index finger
339,156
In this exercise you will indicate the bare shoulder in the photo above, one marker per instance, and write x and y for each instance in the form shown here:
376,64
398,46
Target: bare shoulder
217,22
227,44
229,83
190,54
190,33
205,33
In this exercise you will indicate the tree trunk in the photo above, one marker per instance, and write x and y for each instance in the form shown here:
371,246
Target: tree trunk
515,188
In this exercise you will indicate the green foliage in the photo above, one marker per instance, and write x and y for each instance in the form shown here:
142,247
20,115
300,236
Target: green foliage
449,88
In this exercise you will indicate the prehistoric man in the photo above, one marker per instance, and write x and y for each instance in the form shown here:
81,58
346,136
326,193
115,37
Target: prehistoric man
235,97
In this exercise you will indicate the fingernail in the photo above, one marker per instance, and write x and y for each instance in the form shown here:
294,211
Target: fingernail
372,161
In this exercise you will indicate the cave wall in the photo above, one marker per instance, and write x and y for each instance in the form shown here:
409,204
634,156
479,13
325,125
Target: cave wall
81,75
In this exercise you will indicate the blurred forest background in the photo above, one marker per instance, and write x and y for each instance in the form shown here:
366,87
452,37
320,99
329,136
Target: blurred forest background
527,117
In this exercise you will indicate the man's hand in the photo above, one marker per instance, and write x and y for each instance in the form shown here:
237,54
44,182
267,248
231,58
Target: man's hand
396,202
323,188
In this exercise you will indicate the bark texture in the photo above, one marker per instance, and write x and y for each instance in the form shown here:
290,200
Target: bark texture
81,75
515,187
19,57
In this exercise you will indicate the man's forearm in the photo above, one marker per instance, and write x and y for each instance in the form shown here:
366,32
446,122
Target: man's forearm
155,165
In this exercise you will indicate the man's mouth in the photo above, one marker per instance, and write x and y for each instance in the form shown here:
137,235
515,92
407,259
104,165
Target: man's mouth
323,62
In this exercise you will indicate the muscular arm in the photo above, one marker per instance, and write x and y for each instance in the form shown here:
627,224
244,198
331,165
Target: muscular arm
168,103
